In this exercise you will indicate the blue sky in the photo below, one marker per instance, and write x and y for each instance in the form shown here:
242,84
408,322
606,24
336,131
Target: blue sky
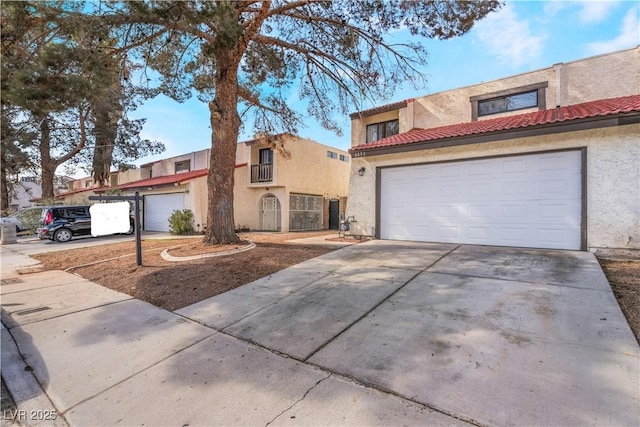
522,36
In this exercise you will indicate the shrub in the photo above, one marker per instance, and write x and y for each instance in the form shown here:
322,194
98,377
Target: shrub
181,222
30,220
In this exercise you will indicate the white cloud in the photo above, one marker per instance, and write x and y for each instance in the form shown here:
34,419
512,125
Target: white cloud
595,11
629,36
552,7
508,38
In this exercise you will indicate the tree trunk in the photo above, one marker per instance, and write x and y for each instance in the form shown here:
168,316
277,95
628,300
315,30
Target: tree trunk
105,131
4,187
47,164
107,113
225,127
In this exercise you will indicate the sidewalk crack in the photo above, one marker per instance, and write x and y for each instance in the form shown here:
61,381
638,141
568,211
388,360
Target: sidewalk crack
299,400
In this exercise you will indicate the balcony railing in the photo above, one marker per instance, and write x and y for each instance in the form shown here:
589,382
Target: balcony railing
262,172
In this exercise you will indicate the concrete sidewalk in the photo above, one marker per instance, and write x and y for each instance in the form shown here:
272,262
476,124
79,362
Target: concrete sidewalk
104,358
380,333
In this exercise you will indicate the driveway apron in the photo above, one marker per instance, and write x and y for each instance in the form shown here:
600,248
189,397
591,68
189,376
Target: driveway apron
495,336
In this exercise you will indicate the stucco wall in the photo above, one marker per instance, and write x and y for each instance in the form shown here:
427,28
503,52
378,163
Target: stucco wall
613,179
308,170
451,107
600,77
131,175
244,204
300,166
199,160
196,200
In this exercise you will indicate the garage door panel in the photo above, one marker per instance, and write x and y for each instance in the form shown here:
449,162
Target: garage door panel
531,200
158,208
515,166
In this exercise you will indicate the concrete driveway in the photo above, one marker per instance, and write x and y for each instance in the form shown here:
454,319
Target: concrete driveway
380,333
495,336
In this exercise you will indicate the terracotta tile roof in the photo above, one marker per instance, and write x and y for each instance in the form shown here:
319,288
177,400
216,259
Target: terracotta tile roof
178,178
165,179
593,109
380,109
71,192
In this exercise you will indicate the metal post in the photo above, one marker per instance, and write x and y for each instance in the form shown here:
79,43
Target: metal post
138,226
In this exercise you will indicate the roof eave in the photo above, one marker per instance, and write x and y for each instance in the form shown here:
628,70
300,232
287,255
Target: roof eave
575,125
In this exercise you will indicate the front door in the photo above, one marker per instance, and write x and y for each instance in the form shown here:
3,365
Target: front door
270,218
334,214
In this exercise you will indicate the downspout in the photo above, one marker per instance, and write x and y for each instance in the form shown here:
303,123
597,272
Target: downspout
558,70
410,115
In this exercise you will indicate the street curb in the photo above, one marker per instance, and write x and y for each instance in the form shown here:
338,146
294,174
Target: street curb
165,254
33,407
35,268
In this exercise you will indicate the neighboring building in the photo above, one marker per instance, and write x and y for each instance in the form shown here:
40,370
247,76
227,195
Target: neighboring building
283,183
27,191
22,192
290,184
545,159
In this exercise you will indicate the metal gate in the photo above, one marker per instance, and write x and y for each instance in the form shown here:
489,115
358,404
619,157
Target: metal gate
305,212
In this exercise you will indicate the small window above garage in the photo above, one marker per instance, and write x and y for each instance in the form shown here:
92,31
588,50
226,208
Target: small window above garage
519,98
183,166
503,104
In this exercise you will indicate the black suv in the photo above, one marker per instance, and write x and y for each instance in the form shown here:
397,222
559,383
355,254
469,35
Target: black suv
61,223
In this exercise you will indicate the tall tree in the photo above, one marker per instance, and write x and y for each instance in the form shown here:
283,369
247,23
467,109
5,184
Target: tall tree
15,137
66,79
15,130
53,79
251,54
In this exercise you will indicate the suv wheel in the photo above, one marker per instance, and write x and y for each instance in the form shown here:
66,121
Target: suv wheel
63,235
132,228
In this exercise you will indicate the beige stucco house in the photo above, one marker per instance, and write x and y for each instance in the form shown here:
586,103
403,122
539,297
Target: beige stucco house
282,183
544,159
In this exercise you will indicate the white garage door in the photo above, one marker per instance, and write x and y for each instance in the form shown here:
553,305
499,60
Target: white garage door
158,208
527,201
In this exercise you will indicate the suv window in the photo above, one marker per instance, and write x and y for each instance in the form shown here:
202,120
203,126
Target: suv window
77,212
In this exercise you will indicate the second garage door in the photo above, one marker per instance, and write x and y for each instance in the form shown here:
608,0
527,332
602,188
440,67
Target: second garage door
158,208
530,200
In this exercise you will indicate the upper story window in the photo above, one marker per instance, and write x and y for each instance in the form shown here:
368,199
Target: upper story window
87,184
265,156
344,158
381,130
503,104
183,166
332,155
519,98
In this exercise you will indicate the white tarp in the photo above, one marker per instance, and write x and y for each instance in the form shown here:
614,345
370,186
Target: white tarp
109,218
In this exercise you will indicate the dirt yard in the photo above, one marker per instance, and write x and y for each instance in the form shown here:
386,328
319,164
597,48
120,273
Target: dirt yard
172,285
624,277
